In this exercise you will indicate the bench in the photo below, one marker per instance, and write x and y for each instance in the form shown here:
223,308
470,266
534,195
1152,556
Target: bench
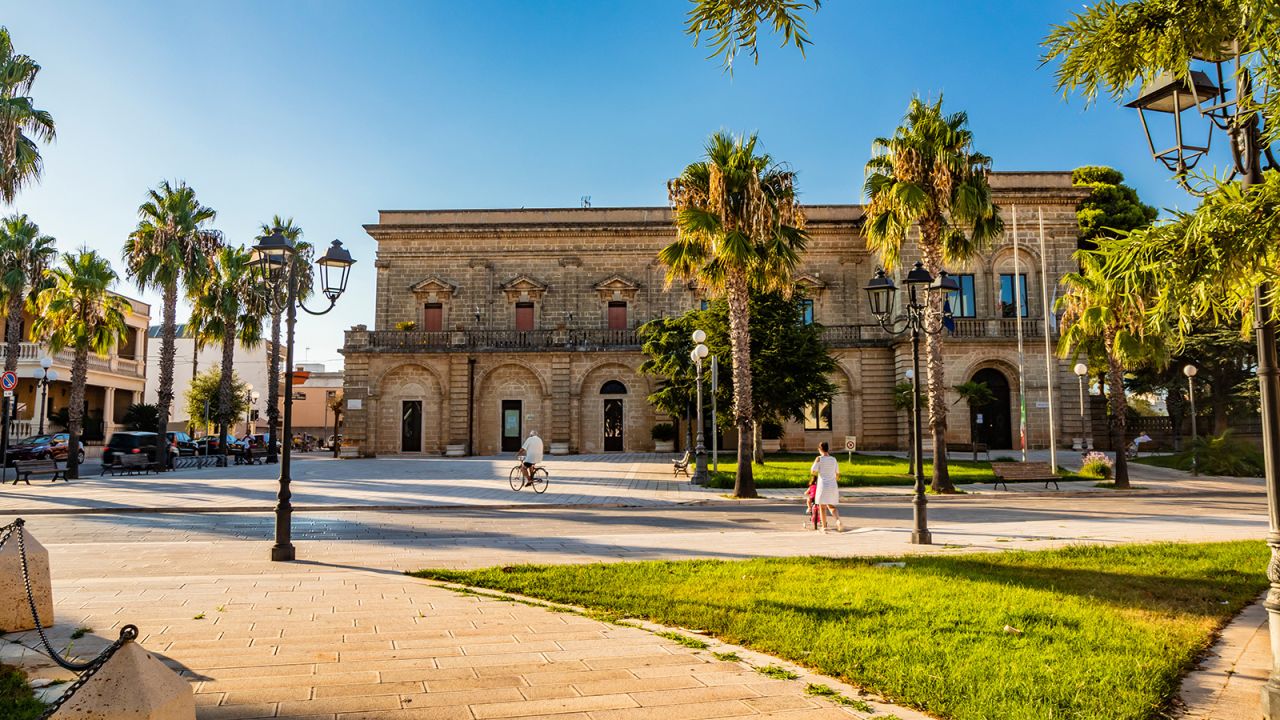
131,464
681,465
974,448
1020,471
26,468
252,456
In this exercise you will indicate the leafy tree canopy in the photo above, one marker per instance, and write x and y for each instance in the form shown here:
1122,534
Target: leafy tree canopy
204,387
1111,208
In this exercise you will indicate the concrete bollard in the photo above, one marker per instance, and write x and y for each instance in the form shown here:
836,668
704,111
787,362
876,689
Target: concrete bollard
15,611
132,685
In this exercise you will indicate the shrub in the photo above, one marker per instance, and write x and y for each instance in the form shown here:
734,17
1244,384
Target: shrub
771,430
664,432
1096,465
407,326
1224,454
141,416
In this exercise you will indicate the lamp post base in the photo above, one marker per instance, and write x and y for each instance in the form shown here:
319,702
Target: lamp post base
282,553
1270,702
921,537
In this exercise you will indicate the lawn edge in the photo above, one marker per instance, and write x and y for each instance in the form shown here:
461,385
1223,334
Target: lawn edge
752,659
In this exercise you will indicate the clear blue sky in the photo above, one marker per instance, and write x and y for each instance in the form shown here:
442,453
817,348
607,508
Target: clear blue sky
329,111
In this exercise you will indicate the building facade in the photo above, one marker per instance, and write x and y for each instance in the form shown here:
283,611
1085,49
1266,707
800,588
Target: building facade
314,389
190,360
492,323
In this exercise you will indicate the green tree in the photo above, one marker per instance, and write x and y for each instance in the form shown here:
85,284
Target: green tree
732,26
79,311
974,394
25,256
228,308
169,251
141,416
928,175
739,226
203,394
22,125
666,343
1111,207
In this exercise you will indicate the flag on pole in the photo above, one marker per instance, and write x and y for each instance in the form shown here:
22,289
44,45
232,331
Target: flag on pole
948,322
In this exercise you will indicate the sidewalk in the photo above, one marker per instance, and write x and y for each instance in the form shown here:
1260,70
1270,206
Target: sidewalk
1228,685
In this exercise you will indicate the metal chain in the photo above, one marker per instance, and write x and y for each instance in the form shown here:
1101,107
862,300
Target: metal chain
128,633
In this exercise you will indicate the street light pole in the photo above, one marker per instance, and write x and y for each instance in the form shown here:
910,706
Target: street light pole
699,352
1190,371
880,293
1081,370
45,375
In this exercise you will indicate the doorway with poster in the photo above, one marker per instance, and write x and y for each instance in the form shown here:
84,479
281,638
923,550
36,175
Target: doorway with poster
512,424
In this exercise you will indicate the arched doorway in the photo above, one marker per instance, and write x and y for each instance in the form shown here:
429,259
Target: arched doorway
991,423
613,416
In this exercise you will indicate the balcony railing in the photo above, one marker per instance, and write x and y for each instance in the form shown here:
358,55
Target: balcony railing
32,352
480,340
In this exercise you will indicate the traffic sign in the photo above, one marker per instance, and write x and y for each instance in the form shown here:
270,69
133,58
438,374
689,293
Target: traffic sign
851,443
9,381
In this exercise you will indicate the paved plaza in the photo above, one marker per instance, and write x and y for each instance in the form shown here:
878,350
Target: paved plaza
342,634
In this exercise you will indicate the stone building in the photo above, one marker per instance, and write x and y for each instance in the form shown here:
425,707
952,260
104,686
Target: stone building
492,323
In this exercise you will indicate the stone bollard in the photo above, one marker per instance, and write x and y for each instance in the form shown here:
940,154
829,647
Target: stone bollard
15,610
132,685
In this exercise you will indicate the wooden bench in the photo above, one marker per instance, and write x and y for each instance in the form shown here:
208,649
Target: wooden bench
681,465
24,469
252,456
1028,471
131,464
974,448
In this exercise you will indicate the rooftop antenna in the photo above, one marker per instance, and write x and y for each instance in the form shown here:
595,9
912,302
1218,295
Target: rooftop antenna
586,201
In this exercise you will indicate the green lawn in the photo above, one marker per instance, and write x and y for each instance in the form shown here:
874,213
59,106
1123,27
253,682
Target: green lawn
792,470
1165,461
1095,632
16,700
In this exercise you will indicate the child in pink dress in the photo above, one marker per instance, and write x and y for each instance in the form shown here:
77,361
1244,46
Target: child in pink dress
810,507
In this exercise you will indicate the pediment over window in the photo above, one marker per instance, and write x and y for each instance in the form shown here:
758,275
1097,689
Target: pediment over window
523,288
433,289
616,287
811,283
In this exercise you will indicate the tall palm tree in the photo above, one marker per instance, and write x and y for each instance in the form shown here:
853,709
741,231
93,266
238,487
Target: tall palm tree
738,226
25,257
22,125
303,258
929,175
228,308
78,311
170,250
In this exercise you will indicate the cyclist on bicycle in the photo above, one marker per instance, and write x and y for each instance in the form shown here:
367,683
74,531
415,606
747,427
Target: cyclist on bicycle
531,454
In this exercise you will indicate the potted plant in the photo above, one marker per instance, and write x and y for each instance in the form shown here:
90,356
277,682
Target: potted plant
664,437
771,434
407,326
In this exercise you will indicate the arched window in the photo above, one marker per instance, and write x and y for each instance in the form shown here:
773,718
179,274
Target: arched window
613,387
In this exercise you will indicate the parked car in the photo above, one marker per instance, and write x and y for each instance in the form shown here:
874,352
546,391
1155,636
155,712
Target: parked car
333,438
131,442
42,447
209,445
183,441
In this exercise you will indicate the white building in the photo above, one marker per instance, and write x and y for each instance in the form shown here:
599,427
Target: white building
250,367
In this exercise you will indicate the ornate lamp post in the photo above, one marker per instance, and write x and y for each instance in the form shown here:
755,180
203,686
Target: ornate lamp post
1220,103
44,375
699,352
1190,371
274,262
880,295
1081,370
252,396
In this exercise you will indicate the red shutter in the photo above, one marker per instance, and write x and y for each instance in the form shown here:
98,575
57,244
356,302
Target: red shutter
433,317
617,316
524,317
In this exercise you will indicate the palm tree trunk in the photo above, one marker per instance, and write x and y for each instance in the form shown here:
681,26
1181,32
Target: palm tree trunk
273,387
757,442
13,333
736,292
168,354
225,388
931,249
75,413
1115,387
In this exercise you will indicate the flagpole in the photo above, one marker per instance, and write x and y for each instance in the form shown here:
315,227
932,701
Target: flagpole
1018,287
1048,351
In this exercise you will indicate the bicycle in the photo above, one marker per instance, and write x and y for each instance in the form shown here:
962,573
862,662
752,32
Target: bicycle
538,478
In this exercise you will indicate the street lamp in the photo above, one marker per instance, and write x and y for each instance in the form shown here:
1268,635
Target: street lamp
1190,371
697,354
44,375
252,396
1081,370
880,295
1222,105
275,264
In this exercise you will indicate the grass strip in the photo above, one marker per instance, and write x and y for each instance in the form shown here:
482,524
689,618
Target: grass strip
790,470
1101,632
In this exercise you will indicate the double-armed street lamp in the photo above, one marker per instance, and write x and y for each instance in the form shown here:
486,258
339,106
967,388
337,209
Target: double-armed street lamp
697,354
1190,371
880,295
1227,99
274,261
44,375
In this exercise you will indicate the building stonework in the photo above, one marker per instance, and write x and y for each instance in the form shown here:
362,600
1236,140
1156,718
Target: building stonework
493,323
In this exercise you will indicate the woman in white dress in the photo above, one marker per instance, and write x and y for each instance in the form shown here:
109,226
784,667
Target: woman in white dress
827,469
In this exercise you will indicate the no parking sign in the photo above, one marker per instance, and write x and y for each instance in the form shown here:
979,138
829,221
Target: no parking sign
8,381
851,446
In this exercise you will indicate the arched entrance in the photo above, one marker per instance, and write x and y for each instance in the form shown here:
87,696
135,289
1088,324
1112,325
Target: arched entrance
613,416
991,423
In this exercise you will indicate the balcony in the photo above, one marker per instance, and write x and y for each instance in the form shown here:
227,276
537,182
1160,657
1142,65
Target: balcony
966,329
500,340
129,367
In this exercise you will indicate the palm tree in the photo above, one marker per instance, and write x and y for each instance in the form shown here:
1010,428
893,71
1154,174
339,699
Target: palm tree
21,124
302,258
929,175
904,399
733,25
228,308
78,311
976,394
739,226
25,256
170,249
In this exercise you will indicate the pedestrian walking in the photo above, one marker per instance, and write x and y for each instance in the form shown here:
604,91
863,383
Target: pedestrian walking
810,503
826,470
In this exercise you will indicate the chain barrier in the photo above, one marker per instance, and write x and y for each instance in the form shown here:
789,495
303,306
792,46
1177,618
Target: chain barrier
128,633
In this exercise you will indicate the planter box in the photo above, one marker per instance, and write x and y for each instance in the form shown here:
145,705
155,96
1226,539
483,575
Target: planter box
664,446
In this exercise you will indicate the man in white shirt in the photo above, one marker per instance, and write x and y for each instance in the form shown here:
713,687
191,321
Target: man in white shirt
531,453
